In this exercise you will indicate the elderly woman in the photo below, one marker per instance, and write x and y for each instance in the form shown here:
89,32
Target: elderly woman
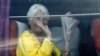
37,41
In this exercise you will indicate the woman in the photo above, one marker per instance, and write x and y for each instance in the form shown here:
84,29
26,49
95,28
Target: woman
37,41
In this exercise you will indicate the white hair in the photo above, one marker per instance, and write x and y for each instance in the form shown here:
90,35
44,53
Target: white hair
34,8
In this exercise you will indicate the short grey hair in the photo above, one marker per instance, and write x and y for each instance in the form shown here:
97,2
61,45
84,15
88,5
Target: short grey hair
34,8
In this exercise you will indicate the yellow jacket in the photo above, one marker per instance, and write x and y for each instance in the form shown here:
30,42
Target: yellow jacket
28,45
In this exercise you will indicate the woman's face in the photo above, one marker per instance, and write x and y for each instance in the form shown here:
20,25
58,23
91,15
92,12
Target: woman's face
35,28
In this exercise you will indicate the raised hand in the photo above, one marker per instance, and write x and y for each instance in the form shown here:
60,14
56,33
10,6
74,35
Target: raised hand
44,27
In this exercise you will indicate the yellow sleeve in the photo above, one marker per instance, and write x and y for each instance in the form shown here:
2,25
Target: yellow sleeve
57,51
20,48
31,48
47,47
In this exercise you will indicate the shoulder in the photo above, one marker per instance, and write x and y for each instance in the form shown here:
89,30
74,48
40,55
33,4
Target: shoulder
25,34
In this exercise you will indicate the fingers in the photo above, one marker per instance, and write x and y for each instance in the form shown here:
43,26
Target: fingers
39,23
46,27
48,31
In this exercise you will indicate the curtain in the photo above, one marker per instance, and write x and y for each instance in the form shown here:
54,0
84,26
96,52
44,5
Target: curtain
4,27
